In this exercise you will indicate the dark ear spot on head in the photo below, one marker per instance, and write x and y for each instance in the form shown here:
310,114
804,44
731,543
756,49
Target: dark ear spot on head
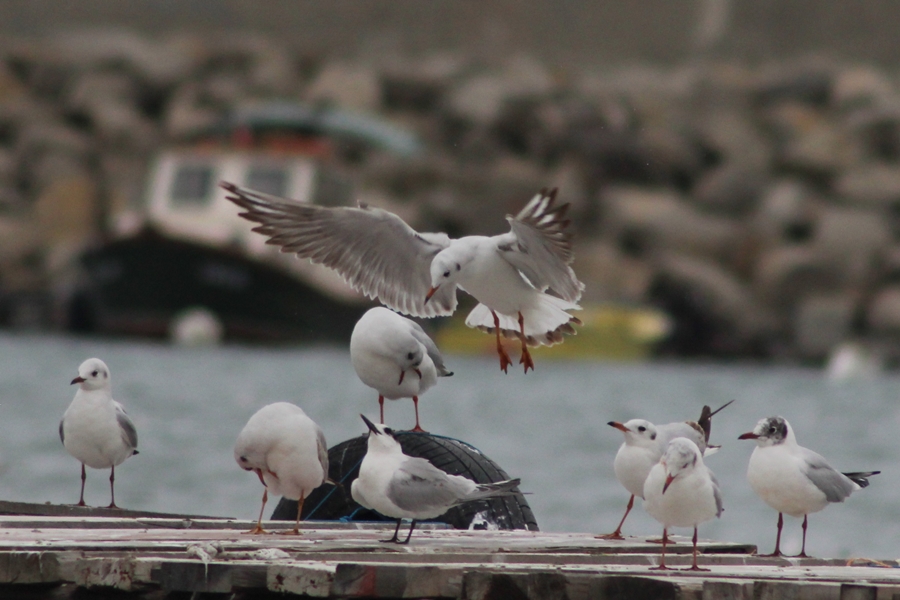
389,431
458,267
652,436
243,459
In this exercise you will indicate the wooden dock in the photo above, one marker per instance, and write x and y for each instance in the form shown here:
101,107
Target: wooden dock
152,557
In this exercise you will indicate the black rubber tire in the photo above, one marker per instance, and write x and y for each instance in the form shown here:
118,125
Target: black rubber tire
330,502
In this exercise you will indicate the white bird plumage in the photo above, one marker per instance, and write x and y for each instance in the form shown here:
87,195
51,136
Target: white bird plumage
287,451
95,428
407,487
643,447
792,479
681,492
394,356
417,273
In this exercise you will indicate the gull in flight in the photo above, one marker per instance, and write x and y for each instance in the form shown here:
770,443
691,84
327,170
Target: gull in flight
643,447
95,428
287,451
417,274
408,487
681,492
793,479
394,356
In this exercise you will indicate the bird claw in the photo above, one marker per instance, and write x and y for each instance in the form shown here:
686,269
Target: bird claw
505,361
526,359
615,535
255,530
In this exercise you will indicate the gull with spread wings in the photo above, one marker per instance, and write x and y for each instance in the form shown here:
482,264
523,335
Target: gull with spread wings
418,273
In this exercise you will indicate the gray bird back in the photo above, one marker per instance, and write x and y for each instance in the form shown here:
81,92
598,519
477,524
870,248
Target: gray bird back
834,485
129,432
418,485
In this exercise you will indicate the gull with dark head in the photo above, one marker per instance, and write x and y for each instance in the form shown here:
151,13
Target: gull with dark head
643,447
394,356
792,479
408,487
95,428
417,274
287,451
681,492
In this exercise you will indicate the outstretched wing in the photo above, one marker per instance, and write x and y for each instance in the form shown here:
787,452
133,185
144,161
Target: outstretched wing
375,251
540,246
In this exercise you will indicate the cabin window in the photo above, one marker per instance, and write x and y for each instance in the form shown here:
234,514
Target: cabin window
268,179
191,185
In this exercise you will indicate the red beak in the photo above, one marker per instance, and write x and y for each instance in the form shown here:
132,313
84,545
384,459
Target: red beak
619,426
748,436
669,479
430,294
78,379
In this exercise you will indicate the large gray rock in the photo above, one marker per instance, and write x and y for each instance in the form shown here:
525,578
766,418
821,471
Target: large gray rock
785,275
823,322
786,213
883,312
850,240
730,190
869,184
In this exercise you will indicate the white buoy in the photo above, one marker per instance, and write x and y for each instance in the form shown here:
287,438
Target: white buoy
196,326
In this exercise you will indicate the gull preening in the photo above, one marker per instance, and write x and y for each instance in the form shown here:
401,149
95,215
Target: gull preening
394,356
793,479
287,451
643,447
417,274
408,487
95,428
681,492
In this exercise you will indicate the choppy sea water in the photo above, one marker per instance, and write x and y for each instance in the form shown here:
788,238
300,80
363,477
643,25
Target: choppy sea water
547,427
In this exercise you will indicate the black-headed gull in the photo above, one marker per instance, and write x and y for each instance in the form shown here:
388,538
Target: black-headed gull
407,487
681,492
644,445
394,356
417,273
95,428
793,479
287,451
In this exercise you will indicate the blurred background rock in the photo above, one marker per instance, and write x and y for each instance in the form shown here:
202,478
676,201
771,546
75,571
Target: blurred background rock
733,163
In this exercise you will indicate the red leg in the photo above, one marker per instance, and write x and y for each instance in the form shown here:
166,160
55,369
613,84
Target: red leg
296,529
526,355
617,534
694,566
83,479
663,540
259,527
112,488
381,407
777,538
416,405
504,357
662,557
803,548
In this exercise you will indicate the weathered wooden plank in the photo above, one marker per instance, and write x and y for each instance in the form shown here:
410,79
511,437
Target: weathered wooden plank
71,510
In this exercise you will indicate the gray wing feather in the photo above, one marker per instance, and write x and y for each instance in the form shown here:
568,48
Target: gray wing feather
419,485
322,447
670,431
129,432
540,247
433,353
62,434
375,251
835,486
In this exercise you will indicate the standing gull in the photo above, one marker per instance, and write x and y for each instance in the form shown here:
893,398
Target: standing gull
394,356
793,479
643,447
408,487
95,428
418,273
681,492
287,451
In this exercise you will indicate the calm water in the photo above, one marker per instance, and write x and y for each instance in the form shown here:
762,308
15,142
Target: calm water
548,427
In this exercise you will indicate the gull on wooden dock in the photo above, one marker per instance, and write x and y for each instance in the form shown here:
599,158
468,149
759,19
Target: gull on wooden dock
394,356
418,273
681,492
287,451
409,487
643,447
95,428
792,479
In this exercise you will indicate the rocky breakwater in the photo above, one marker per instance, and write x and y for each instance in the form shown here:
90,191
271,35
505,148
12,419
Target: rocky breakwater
759,206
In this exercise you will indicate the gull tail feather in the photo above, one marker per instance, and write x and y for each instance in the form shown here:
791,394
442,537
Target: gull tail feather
494,490
861,478
545,323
